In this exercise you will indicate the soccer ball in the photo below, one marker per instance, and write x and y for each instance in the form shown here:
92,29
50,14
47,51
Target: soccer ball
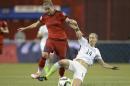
64,81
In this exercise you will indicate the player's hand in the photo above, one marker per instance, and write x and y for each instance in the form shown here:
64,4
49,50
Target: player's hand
74,22
21,29
115,68
79,34
73,26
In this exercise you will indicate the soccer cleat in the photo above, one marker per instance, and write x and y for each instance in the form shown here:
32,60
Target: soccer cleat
35,75
115,68
43,78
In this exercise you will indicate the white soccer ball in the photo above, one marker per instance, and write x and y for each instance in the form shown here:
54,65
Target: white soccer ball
64,81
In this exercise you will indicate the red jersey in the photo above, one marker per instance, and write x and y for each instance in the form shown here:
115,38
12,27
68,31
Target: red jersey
2,24
55,25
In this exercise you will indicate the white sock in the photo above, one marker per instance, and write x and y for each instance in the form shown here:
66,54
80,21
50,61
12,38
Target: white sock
57,65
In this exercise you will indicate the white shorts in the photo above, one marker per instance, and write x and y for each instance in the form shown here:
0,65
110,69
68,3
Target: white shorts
79,70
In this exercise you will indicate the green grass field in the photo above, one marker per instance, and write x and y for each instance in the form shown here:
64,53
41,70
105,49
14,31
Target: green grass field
19,75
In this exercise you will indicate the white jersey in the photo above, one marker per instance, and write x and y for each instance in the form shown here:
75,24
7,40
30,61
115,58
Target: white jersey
43,30
88,53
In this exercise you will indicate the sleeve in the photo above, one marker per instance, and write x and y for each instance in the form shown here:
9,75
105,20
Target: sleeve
83,41
42,20
98,54
63,16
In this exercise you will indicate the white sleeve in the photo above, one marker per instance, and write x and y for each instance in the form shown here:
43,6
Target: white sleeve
98,54
83,41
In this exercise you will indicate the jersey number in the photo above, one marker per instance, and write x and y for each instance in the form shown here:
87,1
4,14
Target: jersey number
89,52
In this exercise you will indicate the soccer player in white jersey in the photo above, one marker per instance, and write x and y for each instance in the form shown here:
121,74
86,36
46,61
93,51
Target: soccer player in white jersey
43,35
83,60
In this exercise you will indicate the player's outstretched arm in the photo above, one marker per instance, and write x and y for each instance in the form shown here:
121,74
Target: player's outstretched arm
105,65
73,24
34,25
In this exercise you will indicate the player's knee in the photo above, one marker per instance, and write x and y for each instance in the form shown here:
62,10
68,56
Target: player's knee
45,55
77,82
63,63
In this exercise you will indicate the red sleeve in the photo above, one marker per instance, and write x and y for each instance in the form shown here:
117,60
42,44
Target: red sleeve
42,20
63,16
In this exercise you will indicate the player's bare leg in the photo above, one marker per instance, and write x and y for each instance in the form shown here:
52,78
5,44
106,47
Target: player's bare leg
41,65
49,63
62,63
77,82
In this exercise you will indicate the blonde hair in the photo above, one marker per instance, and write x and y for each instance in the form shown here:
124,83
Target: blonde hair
94,34
46,4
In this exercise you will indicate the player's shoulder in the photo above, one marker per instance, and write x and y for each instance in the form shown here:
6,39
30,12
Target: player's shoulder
60,13
84,39
97,50
43,16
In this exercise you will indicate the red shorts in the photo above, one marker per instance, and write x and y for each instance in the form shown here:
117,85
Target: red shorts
57,46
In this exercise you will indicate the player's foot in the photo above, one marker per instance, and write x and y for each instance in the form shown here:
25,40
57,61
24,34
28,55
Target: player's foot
35,75
43,78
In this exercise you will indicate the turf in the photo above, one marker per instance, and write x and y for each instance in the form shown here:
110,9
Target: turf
19,75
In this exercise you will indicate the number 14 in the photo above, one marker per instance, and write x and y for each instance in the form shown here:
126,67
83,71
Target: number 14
89,52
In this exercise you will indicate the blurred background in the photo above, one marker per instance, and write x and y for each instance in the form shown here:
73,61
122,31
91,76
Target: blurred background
108,18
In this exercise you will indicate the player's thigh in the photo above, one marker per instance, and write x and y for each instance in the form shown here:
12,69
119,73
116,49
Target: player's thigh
49,48
45,55
76,82
78,70
61,49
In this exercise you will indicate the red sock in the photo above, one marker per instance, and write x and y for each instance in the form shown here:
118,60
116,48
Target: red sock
61,72
42,62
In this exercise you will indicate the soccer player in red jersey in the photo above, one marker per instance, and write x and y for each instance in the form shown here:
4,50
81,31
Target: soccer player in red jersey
57,38
3,29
